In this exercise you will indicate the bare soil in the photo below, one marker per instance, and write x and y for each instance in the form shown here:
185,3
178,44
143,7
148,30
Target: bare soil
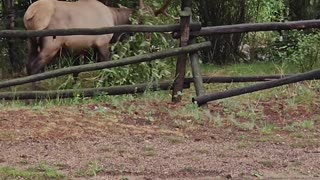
145,140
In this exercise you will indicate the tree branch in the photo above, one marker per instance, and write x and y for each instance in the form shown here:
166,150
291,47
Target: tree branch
162,9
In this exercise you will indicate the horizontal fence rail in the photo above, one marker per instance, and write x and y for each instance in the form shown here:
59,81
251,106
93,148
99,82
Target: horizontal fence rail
96,31
312,75
254,27
88,92
104,65
241,79
127,89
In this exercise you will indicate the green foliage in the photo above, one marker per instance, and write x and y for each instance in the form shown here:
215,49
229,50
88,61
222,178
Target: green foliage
259,11
140,44
92,169
40,172
302,50
266,10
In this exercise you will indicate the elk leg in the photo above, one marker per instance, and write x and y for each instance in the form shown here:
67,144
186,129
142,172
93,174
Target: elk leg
42,60
48,49
44,57
103,53
76,63
33,48
95,54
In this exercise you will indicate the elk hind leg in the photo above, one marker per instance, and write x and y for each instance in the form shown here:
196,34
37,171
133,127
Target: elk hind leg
45,56
103,53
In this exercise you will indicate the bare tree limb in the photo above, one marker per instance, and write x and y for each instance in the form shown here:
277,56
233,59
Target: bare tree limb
163,8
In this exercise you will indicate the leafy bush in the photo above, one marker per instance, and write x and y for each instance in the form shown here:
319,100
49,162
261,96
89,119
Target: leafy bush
305,53
264,43
266,10
139,44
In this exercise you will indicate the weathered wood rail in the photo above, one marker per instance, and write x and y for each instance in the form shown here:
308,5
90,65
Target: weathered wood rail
104,65
312,75
254,27
96,31
88,92
127,89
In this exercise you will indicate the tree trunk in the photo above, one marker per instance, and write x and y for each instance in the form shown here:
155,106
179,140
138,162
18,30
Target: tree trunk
9,23
222,12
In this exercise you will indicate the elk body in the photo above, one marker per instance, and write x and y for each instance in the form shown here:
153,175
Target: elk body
54,14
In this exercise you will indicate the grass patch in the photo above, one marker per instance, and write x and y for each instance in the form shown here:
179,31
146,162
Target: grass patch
9,172
92,169
307,125
149,151
268,129
258,68
245,126
41,171
191,111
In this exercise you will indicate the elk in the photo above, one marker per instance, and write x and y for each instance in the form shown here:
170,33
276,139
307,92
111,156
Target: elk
54,14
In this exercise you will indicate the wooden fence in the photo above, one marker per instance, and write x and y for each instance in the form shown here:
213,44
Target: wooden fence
187,32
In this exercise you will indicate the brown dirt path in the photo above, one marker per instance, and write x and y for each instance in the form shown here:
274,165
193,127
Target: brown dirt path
102,139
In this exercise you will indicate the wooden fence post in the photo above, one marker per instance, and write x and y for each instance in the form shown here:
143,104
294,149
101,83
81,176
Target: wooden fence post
182,59
196,73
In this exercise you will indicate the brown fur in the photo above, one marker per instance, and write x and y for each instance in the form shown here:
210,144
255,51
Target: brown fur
53,14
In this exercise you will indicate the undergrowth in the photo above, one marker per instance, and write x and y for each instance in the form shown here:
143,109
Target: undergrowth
137,44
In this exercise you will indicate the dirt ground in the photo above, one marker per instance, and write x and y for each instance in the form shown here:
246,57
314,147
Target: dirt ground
147,141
